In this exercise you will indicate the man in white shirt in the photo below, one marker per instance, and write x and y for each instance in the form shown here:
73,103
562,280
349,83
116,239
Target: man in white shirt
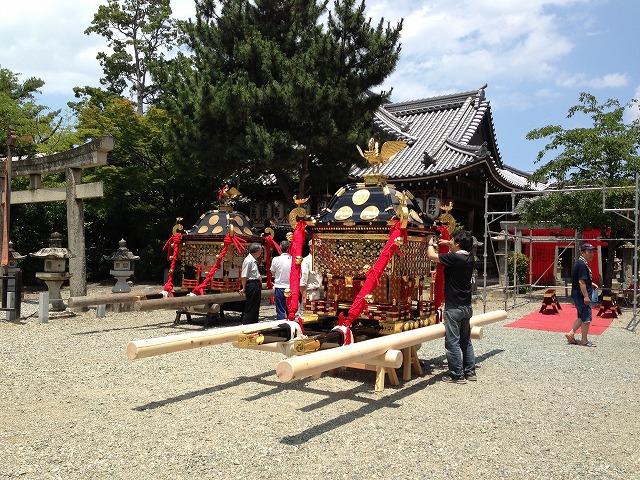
310,281
251,284
281,270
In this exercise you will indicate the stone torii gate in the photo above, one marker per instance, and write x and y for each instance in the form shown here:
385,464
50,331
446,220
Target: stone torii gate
72,162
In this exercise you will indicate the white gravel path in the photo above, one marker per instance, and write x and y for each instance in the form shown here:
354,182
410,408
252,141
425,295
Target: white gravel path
72,406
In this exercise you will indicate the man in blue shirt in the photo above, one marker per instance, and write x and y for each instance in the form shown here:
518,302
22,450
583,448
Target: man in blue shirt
581,287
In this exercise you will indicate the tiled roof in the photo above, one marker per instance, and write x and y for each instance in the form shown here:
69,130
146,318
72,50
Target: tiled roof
446,134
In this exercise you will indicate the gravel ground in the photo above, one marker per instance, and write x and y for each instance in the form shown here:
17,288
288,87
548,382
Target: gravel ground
72,406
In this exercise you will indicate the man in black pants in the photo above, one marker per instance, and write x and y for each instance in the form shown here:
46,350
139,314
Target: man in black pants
458,269
251,284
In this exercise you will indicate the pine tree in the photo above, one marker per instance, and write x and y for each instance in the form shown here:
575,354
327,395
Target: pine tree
278,87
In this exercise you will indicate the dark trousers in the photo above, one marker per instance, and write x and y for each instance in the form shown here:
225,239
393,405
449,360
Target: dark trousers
252,304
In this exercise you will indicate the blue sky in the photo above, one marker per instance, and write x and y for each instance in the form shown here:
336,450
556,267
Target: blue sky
535,55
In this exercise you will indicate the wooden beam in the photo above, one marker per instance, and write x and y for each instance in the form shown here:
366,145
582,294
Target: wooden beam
177,343
173,303
323,360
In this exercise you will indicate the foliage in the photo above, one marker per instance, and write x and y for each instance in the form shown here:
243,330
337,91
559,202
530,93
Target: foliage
137,31
521,270
602,155
142,188
268,89
38,129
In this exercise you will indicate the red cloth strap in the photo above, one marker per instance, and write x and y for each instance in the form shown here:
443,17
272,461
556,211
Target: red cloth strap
269,244
295,250
438,285
172,246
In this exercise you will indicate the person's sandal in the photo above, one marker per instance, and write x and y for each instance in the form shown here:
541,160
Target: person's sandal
570,338
588,344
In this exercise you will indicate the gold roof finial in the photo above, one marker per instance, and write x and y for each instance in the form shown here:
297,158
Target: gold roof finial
377,157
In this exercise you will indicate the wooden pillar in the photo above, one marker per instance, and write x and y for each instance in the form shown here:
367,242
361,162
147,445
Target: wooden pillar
75,234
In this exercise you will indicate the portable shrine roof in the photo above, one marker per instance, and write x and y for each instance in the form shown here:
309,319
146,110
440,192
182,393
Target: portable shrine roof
217,223
449,134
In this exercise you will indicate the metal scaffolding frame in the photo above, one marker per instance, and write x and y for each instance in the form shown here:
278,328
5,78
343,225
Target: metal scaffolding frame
498,215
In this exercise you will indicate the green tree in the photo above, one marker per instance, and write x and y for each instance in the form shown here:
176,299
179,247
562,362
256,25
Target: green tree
39,130
602,155
143,191
137,32
269,89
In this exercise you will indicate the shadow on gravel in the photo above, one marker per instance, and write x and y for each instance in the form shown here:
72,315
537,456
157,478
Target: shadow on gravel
372,405
206,391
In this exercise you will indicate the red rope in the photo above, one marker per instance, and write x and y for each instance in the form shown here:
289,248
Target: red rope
268,245
438,285
228,240
171,246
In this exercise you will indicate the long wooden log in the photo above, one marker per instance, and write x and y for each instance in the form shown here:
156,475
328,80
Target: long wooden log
390,358
94,300
323,360
175,303
176,343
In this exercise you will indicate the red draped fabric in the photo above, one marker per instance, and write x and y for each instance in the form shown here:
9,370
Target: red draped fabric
269,243
374,274
172,246
228,240
295,250
438,286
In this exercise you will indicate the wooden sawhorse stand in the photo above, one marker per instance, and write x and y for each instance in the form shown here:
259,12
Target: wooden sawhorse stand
609,303
550,299
409,361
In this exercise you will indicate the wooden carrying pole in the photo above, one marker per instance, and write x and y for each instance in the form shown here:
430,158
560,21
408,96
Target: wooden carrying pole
93,300
173,303
176,343
359,352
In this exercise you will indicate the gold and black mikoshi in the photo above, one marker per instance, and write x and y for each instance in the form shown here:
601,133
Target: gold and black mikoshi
201,245
348,237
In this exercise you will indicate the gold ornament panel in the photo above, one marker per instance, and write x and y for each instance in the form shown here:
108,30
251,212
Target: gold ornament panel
349,255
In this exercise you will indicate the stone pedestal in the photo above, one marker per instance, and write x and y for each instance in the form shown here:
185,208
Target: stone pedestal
54,282
121,277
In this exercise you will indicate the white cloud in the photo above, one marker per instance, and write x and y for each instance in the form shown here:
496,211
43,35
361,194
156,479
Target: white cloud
459,45
581,80
632,112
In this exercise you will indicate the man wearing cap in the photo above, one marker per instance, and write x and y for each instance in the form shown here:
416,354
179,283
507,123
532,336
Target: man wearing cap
581,288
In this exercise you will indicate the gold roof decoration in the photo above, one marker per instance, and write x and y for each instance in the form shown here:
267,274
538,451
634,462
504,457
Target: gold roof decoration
178,226
403,211
446,218
377,156
299,212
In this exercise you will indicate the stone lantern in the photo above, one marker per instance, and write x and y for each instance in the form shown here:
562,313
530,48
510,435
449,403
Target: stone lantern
14,258
55,266
122,267
13,285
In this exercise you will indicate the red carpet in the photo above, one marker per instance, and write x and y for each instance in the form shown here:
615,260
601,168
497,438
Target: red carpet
561,321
